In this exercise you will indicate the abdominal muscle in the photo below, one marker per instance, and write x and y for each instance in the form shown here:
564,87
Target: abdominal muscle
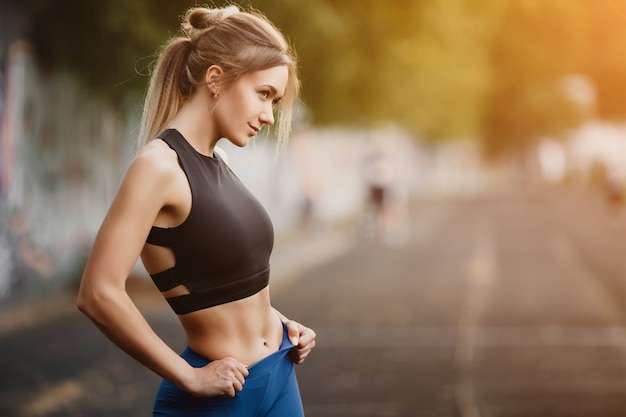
247,330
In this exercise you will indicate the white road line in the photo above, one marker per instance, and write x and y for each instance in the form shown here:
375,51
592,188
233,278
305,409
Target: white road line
36,313
481,274
53,398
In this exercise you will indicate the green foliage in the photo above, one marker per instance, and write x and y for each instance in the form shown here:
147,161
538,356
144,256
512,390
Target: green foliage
107,44
366,61
538,43
489,69
84,38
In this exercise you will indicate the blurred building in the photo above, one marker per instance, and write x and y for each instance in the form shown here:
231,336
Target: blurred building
596,148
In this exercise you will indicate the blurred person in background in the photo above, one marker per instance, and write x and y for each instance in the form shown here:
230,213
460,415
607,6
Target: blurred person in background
378,178
610,186
387,196
613,189
202,236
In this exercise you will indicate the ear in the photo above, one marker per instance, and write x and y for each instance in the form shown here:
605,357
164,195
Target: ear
213,74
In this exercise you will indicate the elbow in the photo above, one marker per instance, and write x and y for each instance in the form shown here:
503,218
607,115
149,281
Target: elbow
84,304
96,301
90,300
81,305
83,300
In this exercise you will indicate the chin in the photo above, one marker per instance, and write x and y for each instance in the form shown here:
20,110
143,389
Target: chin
240,142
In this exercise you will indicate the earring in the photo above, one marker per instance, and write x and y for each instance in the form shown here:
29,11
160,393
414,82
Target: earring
215,94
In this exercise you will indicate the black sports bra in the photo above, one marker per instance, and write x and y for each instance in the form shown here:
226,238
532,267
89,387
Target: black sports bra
222,249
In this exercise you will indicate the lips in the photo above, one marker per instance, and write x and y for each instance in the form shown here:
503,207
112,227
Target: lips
254,129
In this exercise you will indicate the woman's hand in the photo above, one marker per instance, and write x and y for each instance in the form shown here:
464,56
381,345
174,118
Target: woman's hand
220,378
303,338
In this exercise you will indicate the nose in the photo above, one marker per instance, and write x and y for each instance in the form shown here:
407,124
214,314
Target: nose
267,116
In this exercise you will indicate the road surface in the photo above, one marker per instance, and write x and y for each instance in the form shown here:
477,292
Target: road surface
493,306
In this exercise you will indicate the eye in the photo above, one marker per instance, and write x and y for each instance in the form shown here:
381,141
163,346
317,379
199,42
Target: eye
270,92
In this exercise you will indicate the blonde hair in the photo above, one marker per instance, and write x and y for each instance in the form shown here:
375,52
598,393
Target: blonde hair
239,42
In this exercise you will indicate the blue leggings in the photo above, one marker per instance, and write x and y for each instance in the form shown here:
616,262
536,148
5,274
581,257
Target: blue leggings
270,390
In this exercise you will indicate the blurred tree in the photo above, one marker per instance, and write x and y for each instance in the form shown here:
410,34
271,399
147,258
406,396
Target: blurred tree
419,63
440,71
106,44
490,69
607,62
538,43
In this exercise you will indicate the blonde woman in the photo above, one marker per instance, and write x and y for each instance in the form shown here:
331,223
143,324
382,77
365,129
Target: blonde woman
204,239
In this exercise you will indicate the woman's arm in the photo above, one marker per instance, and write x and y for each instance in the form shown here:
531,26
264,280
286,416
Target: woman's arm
147,187
302,337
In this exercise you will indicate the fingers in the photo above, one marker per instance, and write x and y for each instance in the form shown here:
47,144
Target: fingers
306,343
233,374
307,337
299,353
223,377
293,332
243,369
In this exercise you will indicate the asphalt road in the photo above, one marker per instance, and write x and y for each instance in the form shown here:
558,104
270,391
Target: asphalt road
494,306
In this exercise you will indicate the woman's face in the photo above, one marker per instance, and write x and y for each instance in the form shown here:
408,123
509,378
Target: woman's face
246,105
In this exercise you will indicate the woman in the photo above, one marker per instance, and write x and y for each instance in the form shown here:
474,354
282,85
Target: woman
204,239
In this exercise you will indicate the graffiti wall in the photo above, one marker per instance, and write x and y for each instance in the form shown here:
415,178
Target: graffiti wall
61,158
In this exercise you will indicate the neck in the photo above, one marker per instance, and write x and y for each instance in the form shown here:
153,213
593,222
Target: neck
192,122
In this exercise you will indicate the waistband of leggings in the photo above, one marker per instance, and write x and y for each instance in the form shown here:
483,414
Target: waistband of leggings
258,368
269,362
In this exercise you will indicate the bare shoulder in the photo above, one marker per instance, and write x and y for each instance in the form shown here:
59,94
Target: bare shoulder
155,169
155,160
157,155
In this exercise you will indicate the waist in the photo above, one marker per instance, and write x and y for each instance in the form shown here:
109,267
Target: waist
260,367
247,329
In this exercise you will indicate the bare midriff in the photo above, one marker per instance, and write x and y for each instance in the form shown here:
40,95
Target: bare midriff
247,330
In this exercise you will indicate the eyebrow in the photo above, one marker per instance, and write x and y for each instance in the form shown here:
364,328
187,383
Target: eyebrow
272,88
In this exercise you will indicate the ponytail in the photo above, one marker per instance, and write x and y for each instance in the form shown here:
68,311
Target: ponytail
166,90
